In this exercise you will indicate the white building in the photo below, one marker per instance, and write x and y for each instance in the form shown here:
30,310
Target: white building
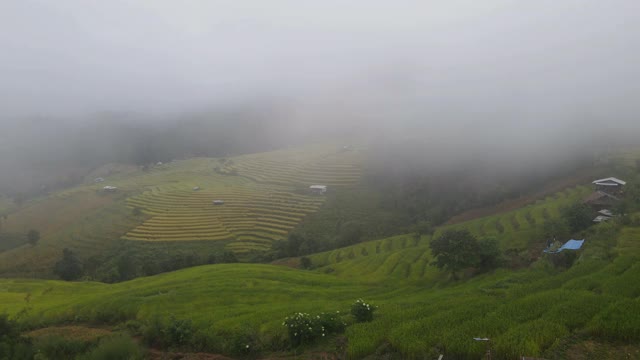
318,189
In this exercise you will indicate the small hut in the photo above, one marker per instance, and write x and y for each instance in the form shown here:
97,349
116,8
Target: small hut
318,189
601,218
606,212
610,185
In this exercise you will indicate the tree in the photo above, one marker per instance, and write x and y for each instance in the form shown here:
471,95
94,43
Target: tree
126,267
455,250
228,257
489,253
305,262
578,217
555,229
69,267
33,236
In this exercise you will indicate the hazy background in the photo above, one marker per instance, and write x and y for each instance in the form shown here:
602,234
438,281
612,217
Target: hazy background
83,83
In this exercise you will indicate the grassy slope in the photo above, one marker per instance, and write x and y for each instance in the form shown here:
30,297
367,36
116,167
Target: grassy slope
534,311
530,311
524,312
406,257
260,210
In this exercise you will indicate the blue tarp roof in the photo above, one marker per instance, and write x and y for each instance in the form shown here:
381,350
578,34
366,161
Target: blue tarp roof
569,245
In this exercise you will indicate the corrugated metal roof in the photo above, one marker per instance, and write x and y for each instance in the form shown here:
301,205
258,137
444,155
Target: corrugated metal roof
610,179
606,212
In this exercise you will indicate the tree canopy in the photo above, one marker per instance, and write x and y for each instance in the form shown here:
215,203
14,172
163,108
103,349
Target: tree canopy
456,250
69,267
578,216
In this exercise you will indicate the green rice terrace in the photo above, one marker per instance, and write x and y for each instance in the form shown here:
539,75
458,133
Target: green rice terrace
539,311
411,256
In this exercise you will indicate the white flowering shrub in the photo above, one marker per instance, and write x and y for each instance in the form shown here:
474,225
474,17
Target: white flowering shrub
300,327
362,311
303,328
331,323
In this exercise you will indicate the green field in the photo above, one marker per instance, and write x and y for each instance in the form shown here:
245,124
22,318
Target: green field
537,309
533,311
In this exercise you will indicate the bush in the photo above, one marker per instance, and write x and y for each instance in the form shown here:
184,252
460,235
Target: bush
241,341
331,323
304,328
58,347
301,328
179,332
12,345
305,262
153,332
362,311
164,333
578,216
115,348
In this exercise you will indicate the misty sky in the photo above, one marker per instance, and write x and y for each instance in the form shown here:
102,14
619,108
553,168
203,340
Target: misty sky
369,60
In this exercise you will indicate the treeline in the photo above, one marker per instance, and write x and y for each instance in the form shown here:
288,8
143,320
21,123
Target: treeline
130,260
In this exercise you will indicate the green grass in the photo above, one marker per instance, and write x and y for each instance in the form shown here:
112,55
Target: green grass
406,257
421,310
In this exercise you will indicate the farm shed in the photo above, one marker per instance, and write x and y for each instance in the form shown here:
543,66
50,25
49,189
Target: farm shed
600,199
601,218
218,202
318,189
609,185
110,188
605,212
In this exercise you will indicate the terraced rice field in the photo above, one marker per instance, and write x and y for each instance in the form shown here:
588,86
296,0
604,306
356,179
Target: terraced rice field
252,216
534,311
407,257
265,196
298,167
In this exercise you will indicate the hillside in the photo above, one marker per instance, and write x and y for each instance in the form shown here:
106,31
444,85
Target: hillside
540,311
265,196
408,257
